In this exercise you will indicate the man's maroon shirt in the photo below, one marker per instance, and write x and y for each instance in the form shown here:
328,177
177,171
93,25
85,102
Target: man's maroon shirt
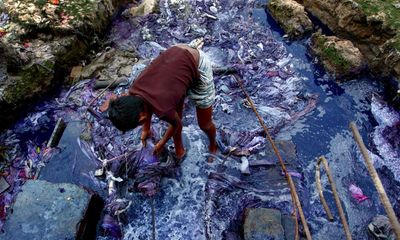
163,84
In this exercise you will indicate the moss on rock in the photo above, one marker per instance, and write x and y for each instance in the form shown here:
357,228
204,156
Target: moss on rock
330,53
338,56
32,81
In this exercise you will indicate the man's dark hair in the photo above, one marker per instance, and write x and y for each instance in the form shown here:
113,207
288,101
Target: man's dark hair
124,112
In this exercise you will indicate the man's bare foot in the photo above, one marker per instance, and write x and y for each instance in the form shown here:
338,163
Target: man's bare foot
212,149
180,156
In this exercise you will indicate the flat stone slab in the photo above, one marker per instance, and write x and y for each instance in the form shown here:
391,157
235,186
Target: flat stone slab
268,224
45,210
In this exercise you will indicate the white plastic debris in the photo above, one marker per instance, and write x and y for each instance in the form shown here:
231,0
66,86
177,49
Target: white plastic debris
244,166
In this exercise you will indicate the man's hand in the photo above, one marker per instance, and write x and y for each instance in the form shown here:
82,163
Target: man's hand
174,124
145,135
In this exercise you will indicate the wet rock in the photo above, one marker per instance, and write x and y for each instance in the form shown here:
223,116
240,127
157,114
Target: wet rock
381,229
75,74
45,210
330,230
289,226
4,185
110,65
41,42
371,32
145,8
263,224
338,56
291,16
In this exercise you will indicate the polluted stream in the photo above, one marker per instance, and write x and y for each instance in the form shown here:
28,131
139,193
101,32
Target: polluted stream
307,112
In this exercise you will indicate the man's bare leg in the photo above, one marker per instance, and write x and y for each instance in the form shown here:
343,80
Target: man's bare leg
204,118
179,149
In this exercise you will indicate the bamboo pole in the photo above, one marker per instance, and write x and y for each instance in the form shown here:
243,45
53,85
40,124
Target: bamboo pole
102,92
335,195
295,197
377,181
320,192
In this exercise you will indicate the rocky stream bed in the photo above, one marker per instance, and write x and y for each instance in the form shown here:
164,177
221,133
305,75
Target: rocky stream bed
306,110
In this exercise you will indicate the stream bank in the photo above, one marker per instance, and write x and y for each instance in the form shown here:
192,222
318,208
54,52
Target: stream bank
40,42
308,112
372,26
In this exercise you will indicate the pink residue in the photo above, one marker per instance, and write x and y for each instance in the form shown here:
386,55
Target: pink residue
357,193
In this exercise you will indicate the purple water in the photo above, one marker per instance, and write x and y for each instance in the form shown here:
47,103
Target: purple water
300,103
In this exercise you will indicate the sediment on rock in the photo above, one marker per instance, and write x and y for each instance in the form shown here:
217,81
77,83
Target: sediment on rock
41,42
339,56
291,16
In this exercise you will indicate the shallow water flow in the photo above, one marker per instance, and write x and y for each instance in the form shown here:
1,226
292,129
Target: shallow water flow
307,112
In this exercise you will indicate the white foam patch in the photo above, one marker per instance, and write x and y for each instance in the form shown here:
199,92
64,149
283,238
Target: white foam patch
321,111
179,209
301,65
290,131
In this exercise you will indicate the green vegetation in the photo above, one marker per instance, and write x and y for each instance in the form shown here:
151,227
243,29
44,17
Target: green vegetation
373,7
34,78
330,53
78,9
73,10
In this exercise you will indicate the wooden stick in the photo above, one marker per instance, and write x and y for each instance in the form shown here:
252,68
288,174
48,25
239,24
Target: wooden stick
377,181
102,92
320,192
57,133
335,195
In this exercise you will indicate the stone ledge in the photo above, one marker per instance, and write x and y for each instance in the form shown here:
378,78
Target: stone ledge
291,16
45,210
267,224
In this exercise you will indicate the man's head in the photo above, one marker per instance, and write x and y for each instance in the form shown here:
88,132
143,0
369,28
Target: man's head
126,112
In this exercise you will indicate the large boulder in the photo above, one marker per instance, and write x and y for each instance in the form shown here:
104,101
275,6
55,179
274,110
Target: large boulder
40,42
111,66
339,56
370,25
291,16
45,210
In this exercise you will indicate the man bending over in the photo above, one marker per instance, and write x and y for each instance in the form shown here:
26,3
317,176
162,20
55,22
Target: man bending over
161,88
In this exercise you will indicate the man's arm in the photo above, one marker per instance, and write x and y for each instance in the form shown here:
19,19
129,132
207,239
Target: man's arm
175,123
146,132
